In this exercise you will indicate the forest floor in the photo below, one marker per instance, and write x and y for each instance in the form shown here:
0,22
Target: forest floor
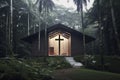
84,74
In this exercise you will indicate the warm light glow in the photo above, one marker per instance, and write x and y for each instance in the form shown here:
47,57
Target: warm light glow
54,46
64,47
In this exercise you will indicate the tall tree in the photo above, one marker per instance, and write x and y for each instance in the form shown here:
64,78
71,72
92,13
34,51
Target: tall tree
100,30
11,28
79,4
110,24
44,7
114,25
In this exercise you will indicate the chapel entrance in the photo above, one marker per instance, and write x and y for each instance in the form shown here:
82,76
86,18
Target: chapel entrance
59,43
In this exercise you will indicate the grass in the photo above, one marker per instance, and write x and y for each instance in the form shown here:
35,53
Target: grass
84,74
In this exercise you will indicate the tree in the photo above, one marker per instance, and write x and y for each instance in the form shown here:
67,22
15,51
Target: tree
114,25
44,7
79,4
13,25
6,23
110,24
106,14
100,28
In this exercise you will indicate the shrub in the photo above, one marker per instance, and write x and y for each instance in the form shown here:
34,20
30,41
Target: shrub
14,69
111,63
58,63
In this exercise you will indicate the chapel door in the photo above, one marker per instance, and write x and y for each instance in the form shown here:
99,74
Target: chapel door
59,44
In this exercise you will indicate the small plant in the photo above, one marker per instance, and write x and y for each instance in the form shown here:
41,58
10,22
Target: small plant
58,63
14,69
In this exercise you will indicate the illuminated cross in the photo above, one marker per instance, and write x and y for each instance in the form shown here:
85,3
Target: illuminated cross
59,39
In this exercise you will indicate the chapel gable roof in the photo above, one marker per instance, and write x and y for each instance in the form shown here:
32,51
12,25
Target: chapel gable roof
61,27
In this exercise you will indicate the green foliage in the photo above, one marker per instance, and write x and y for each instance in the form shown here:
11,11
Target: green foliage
58,63
14,69
111,63
79,58
86,60
101,15
30,69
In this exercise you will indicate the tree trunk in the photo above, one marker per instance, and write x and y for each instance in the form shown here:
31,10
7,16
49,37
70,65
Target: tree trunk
39,38
11,27
9,31
84,45
34,28
45,36
7,26
11,18
46,33
114,25
100,34
28,23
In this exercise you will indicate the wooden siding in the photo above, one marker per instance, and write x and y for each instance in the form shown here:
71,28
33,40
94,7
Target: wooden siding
76,45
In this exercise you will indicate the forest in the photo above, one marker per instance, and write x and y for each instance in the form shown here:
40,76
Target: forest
21,18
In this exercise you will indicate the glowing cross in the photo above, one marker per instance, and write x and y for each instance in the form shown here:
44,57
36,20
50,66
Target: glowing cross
59,39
